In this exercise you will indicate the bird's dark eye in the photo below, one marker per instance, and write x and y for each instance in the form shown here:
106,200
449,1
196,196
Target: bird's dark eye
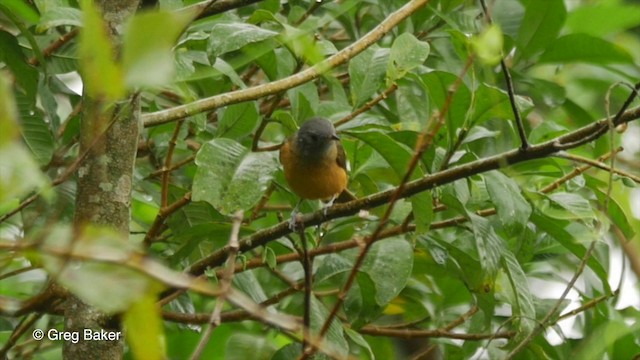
314,137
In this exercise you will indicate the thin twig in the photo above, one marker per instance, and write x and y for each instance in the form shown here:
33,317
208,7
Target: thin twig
599,164
163,213
552,312
225,285
524,144
368,105
164,190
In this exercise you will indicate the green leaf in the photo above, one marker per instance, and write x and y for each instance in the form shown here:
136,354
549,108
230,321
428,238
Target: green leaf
407,53
334,337
304,101
238,120
248,283
229,176
147,57
121,285
595,18
541,25
144,328
595,345
520,298
558,230
59,16
478,133
513,209
493,103
388,264
569,206
584,48
242,346
398,157
488,45
22,10
490,247
360,340
11,54
35,130
101,75
233,36
229,72
438,84
367,71
302,44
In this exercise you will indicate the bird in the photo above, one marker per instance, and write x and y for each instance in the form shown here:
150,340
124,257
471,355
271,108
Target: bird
314,162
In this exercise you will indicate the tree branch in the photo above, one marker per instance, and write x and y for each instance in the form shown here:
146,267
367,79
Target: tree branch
427,182
256,92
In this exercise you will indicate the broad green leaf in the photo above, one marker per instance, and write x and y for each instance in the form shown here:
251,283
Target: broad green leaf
229,176
478,133
22,10
19,173
144,328
59,16
493,103
147,57
384,273
572,206
101,75
388,263
233,36
357,338
519,297
367,71
8,113
438,84
360,304
615,211
407,53
488,45
541,24
238,120
594,346
35,130
304,101
584,48
229,72
302,44
334,338
398,157
11,54
557,229
513,209
248,283
290,351
242,346
412,102
490,247
121,286
595,18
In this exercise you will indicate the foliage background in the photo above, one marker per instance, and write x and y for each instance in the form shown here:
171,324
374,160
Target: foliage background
447,277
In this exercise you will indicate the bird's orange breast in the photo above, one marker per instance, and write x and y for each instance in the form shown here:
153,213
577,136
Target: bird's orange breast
313,180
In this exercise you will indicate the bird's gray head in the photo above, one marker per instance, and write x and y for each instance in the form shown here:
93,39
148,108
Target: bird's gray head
315,138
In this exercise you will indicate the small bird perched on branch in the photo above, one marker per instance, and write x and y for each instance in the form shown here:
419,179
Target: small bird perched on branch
314,162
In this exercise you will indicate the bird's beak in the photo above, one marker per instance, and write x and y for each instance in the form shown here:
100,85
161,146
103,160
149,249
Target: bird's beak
335,137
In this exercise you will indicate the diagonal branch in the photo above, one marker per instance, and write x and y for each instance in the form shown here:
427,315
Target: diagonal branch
427,182
256,92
